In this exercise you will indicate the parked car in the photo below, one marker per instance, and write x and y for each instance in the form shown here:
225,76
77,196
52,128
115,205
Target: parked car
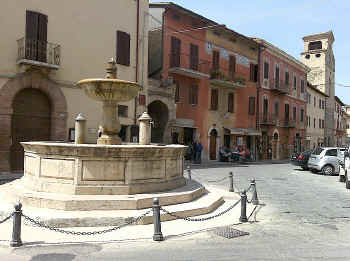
347,170
301,159
345,166
325,160
341,155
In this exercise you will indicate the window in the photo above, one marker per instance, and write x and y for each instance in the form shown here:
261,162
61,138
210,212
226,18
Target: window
175,52
231,102
277,109
302,115
193,95
123,111
315,45
216,61
315,101
322,124
266,70
302,86
177,92
253,72
320,104
142,99
251,106
331,152
286,78
314,122
323,105
295,83
319,123
36,36
214,99
194,57
123,48
347,126
294,113
232,66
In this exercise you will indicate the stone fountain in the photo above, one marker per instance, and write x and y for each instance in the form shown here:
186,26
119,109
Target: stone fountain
108,167
65,183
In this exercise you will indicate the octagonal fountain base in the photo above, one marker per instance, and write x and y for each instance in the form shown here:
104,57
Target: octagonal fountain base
90,169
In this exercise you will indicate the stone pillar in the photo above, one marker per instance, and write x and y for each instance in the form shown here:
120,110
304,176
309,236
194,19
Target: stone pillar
80,123
110,126
145,129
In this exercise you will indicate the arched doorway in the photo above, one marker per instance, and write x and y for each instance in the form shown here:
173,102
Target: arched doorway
160,115
212,144
31,121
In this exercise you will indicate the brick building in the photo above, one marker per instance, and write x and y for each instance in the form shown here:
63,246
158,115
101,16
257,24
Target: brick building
282,103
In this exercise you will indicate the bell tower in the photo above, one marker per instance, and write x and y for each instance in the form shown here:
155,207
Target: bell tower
318,56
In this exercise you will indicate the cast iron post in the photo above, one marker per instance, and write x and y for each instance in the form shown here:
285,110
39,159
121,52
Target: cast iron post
189,173
16,231
157,236
231,189
243,217
255,200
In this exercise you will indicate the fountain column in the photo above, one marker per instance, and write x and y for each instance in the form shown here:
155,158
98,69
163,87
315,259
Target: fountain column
110,125
145,129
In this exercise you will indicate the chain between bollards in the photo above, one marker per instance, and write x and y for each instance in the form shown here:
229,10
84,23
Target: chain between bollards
157,236
231,189
243,217
189,173
17,223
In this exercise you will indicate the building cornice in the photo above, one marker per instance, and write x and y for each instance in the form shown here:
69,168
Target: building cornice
327,35
282,55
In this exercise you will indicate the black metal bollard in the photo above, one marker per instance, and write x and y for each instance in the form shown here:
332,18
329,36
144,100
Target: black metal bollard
189,173
255,200
157,236
231,189
16,231
243,217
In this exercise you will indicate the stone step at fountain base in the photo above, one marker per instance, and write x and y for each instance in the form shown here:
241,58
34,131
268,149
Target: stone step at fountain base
15,191
205,204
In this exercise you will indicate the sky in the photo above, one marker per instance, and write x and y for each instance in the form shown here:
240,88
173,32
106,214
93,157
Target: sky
283,23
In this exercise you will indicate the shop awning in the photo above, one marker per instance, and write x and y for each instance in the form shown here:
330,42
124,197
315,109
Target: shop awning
244,132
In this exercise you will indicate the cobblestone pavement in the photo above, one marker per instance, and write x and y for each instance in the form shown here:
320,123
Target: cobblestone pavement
303,216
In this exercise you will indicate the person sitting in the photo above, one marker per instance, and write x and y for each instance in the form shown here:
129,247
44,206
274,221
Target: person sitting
224,154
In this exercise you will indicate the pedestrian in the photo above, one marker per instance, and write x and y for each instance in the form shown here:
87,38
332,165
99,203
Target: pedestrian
199,149
193,151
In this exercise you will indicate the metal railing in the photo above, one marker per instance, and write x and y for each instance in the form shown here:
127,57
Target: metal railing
268,119
225,74
38,51
288,123
279,85
188,62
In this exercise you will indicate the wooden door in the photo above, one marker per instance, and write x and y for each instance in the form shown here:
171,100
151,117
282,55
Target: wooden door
30,122
36,36
212,147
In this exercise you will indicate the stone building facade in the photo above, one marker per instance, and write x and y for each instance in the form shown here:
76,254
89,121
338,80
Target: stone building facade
52,45
318,55
282,103
339,122
315,119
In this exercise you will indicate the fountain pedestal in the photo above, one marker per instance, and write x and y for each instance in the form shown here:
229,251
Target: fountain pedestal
110,126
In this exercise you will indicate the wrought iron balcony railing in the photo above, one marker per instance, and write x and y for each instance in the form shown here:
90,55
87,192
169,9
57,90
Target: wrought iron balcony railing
268,119
279,86
288,123
38,52
188,62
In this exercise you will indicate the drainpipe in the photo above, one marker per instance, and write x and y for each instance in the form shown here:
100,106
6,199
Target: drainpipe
137,53
258,90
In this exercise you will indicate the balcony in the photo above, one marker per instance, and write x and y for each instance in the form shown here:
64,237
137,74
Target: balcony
38,53
288,123
279,86
189,66
268,119
223,77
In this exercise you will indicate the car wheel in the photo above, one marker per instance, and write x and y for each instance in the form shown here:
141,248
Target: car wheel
313,171
347,183
341,178
327,170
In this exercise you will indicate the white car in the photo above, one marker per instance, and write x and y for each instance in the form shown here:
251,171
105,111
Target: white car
346,171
